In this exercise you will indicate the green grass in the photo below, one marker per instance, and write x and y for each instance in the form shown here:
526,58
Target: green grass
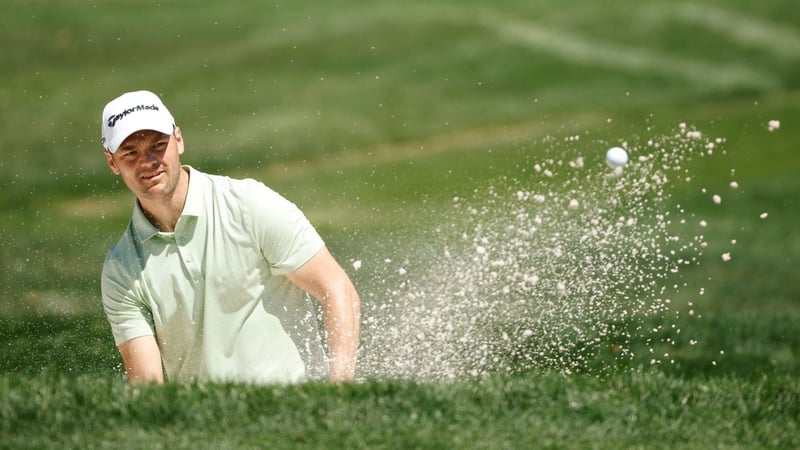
372,117
640,410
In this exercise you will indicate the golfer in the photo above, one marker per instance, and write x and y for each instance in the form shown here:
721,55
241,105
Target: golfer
211,279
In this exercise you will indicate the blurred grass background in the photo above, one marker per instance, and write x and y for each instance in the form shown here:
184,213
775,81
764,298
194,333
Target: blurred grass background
372,117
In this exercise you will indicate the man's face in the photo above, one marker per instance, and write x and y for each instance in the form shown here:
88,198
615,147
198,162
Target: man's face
149,163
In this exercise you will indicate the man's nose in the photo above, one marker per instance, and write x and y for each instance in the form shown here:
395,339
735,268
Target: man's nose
150,156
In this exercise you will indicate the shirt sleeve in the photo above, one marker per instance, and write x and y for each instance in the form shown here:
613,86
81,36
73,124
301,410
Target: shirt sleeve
286,238
129,318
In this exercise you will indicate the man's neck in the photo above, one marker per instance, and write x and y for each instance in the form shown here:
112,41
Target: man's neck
163,213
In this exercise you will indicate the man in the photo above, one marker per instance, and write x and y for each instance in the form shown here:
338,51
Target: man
210,280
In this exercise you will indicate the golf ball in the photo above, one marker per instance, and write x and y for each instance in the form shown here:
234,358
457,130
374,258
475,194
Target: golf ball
616,157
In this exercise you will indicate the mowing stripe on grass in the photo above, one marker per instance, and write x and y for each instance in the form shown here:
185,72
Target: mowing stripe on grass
589,51
767,36
462,140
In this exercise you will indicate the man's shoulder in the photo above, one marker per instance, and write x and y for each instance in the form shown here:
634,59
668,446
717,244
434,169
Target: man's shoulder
223,183
246,190
123,253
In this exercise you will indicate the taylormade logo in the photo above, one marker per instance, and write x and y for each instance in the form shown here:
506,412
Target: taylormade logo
113,119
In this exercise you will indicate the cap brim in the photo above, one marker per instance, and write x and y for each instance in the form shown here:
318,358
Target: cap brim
125,132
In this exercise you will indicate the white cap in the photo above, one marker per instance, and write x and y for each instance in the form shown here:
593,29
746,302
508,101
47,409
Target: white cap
132,112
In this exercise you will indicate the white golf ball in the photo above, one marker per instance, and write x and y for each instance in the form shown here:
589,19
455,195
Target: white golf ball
616,157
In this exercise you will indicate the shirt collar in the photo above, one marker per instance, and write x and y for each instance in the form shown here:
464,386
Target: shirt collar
195,194
192,208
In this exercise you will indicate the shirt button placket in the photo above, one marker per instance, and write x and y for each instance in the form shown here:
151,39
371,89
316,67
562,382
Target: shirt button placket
187,258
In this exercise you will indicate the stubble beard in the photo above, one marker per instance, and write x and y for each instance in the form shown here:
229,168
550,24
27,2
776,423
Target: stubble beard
164,190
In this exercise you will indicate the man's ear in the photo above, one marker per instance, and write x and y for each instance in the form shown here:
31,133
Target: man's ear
111,162
178,139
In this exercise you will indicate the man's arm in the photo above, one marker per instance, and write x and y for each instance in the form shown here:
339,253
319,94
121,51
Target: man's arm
324,278
142,360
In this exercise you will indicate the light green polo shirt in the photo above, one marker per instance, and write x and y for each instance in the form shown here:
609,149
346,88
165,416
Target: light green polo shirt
213,292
